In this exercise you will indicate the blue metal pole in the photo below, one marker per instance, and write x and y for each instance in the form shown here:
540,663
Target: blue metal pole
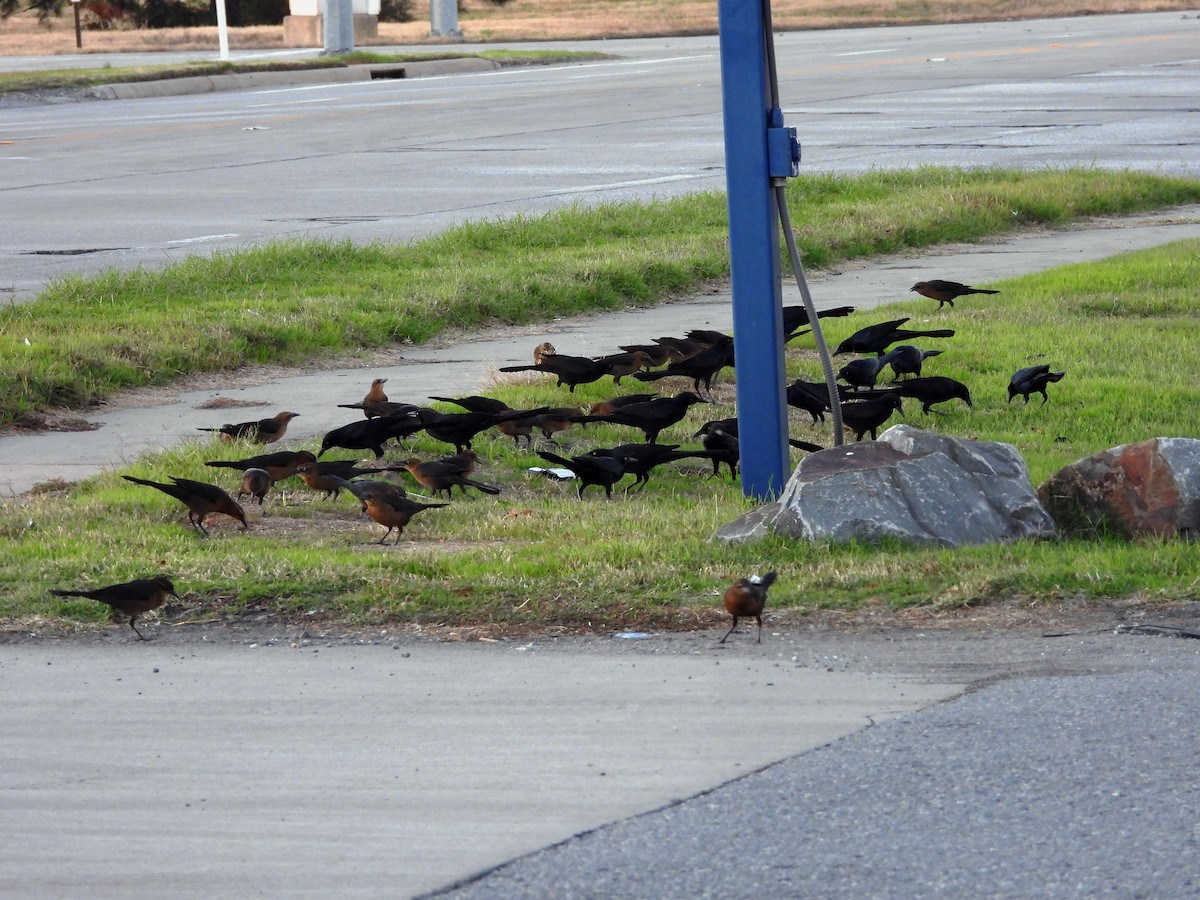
754,250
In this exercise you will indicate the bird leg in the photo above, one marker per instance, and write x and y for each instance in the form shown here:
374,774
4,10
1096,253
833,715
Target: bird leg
730,631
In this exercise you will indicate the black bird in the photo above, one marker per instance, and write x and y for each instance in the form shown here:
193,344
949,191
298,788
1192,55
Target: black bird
906,359
1032,380
639,459
476,403
603,471
373,408
747,597
652,416
460,429
946,291
571,370
720,436
796,317
607,406
811,397
130,597
201,499
371,434
722,442
862,416
702,368
279,465
877,338
861,373
933,389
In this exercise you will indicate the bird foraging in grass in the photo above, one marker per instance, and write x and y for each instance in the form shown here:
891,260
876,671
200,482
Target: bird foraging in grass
130,597
747,597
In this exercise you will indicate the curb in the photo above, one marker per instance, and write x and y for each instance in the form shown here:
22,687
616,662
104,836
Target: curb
206,84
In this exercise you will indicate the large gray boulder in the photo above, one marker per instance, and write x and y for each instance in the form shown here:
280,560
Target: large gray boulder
910,484
1148,488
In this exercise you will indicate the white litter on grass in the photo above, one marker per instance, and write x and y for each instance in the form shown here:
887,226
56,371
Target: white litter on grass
558,474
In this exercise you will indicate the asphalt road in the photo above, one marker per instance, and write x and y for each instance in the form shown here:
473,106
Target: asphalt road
122,184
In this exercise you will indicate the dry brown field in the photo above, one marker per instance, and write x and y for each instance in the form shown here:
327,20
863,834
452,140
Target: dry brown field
551,20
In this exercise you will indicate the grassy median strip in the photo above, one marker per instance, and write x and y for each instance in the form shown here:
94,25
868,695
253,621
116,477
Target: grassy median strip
83,339
536,556
66,79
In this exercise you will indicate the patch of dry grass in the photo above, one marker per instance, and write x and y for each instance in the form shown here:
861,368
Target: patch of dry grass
551,20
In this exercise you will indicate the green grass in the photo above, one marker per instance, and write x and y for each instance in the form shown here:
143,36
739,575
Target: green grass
63,79
83,339
1123,329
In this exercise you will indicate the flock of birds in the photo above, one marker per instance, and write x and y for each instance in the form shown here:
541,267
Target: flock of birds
699,356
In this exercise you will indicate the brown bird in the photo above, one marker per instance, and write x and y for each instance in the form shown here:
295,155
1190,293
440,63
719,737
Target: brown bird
261,431
746,597
328,482
255,483
556,419
130,597
443,474
376,403
201,499
279,465
360,486
393,510
946,291
658,354
542,350
618,365
652,416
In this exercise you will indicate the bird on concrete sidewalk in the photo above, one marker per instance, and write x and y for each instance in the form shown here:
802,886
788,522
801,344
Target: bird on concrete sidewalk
946,291
260,431
201,499
747,597
130,597
1032,380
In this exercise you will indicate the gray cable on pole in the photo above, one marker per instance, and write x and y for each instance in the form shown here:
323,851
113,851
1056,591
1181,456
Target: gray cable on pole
785,221
835,403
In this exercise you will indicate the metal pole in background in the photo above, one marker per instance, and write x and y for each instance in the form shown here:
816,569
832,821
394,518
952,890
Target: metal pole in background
753,250
222,31
339,27
78,27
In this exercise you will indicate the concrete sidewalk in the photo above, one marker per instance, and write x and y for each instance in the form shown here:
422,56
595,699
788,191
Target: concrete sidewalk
149,420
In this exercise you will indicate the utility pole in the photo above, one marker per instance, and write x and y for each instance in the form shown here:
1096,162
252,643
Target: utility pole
757,150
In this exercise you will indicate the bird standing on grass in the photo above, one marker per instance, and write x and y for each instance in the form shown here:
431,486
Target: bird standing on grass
201,499
255,483
393,510
747,597
1032,380
946,291
130,597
